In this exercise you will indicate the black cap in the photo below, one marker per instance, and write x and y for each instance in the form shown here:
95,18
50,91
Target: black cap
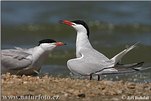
47,41
82,23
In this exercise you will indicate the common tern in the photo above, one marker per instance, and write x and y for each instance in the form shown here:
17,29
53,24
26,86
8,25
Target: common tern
89,61
27,61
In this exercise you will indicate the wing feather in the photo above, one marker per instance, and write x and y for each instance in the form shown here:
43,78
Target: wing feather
14,59
120,55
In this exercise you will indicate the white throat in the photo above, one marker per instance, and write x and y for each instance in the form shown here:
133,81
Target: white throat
82,41
39,55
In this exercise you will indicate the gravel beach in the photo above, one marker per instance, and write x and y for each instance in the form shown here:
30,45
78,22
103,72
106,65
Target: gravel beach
23,88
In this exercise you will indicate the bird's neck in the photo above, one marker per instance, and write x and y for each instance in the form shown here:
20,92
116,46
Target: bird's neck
39,54
82,41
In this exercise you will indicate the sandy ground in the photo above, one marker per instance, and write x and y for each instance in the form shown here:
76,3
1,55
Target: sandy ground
23,88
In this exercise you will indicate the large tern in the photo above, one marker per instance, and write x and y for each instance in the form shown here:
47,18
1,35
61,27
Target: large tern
27,61
89,61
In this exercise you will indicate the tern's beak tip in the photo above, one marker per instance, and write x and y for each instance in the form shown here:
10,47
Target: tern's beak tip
61,21
60,44
67,22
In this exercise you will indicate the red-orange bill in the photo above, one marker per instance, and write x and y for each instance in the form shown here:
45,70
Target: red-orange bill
69,23
60,44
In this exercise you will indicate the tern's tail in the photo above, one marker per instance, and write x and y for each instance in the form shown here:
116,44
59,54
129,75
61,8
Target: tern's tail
127,68
119,56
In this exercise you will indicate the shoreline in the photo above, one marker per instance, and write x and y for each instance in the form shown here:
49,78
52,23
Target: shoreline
66,88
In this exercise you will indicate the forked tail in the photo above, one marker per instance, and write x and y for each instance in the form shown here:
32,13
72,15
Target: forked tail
120,68
120,55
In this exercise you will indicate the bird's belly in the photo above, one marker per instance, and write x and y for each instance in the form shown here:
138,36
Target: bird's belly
27,71
78,69
30,71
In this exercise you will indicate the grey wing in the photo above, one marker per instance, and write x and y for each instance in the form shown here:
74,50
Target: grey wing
96,57
91,61
94,53
14,59
85,65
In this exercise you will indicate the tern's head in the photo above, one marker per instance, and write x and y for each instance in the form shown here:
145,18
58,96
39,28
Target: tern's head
49,44
78,25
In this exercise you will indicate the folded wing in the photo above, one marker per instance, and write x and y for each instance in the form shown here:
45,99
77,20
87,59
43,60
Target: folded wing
15,59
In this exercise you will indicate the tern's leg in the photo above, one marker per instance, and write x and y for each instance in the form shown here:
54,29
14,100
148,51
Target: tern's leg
90,76
98,77
18,72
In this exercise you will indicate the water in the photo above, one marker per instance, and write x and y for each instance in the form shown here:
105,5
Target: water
113,26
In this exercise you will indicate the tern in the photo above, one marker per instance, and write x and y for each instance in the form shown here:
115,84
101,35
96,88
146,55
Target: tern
89,61
21,61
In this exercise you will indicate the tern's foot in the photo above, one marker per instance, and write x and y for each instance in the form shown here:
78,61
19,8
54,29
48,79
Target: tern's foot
36,72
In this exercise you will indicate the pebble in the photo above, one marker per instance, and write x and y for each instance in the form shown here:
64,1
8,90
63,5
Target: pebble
109,83
115,99
119,91
25,82
82,95
131,85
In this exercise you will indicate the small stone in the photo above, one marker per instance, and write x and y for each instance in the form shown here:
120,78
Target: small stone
11,82
82,95
76,92
2,81
28,76
38,77
112,93
66,94
31,90
108,83
70,90
23,76
131,86
88,85
119,91
115,99
25,82
103,88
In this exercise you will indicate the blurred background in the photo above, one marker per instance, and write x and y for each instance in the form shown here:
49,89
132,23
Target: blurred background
113,27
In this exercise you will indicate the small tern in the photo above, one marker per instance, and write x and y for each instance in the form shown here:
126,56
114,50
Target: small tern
89,61
27,61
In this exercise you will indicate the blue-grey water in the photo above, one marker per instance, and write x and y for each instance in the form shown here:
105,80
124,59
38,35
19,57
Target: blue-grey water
113,26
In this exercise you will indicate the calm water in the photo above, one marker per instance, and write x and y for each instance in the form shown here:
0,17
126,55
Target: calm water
113,26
